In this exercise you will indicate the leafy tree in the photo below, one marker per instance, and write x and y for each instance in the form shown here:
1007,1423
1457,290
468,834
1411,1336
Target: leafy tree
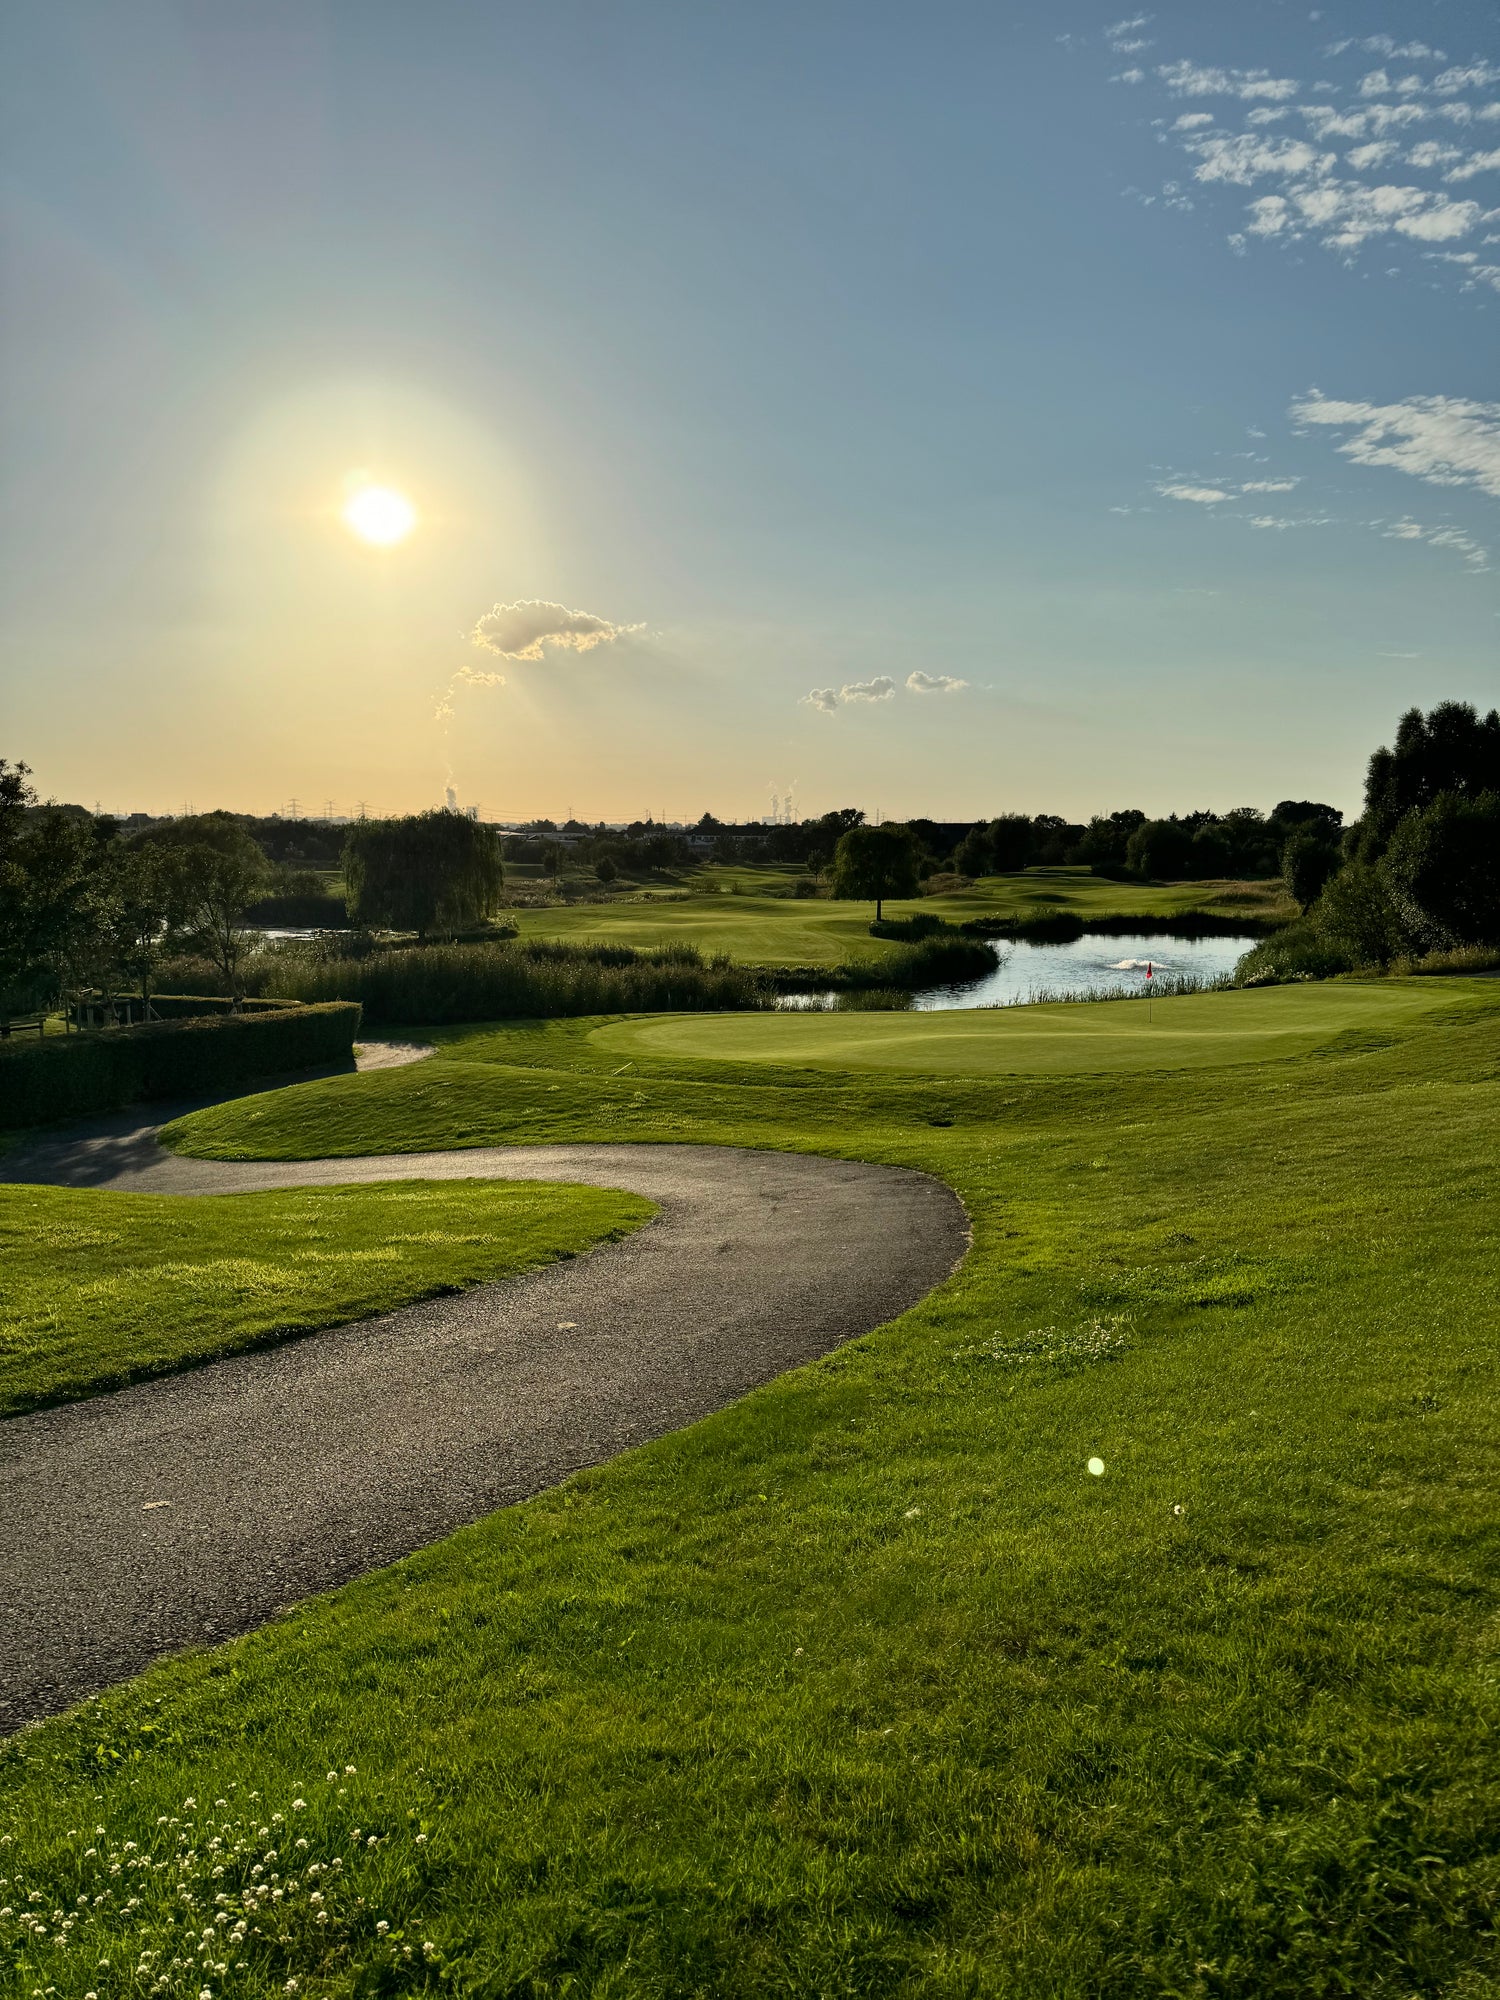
48,914
141,891
1162,849
1357,914
873,862
1443,867
215,870
605,869
433,871
1308,860
1451,749
1106,839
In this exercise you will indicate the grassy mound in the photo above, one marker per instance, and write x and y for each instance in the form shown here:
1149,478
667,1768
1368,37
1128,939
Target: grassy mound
99,1289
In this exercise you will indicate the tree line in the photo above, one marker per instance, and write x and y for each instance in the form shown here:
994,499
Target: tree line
85,904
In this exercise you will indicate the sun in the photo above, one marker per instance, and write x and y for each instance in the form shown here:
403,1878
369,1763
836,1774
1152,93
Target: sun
379,515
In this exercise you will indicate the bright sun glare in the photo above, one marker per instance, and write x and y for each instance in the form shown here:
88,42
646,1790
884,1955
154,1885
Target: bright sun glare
380,515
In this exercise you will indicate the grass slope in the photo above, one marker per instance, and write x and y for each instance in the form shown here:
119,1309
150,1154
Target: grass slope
770,929
100,1289
867,1686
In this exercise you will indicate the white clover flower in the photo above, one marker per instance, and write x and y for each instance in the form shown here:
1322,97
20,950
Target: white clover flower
299,1805
348,1770
333,1777
382,1927
421,1840
303,1845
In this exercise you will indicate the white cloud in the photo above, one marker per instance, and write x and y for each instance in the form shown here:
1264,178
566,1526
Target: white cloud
1269,485
1466,76
1246,157
921,683
1203,496
1283,521
1344,215
1190,79
522,631
1192,121
828,700
1445,440
1477,163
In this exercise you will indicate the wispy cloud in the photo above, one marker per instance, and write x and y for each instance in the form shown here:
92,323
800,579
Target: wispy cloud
465,677
1473,553
526,629
1445,440
921,683
1190,79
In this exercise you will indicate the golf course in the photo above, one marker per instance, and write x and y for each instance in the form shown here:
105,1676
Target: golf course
1117,1620
752,915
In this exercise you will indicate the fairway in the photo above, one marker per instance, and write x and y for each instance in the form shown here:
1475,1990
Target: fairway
1193,1031
778,929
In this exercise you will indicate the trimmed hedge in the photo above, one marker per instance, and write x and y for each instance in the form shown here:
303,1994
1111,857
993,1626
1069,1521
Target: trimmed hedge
69,1076
188,1006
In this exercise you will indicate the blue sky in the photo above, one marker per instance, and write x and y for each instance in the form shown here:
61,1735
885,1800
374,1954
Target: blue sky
1136,371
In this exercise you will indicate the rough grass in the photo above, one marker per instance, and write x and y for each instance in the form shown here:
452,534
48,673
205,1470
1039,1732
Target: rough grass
99,1289
868,1686
772,929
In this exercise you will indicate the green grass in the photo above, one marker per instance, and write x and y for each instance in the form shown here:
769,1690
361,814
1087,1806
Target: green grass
777,930
99,1289
866,1686
1186,1031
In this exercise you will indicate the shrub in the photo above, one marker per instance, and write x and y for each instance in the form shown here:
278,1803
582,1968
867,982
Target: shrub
69,1076
1297,952
534,979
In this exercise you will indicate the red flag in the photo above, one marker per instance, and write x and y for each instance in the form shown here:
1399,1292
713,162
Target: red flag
1148,968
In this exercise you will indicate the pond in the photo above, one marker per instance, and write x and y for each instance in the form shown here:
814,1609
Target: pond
1094,963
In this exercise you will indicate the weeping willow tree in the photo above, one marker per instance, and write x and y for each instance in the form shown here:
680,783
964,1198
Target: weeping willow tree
434,871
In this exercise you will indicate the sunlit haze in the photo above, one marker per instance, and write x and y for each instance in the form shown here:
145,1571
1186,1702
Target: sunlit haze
638,412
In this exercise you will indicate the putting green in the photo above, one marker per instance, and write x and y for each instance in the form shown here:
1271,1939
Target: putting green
1196,1031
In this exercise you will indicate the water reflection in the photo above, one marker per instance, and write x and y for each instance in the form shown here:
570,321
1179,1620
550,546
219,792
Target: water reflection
1096,963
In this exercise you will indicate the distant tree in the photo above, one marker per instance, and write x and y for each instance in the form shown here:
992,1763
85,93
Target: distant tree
974,854
1106,839
215,871
873,862
1308,860
1162,849
1288,814
434,871
605,870
1443,867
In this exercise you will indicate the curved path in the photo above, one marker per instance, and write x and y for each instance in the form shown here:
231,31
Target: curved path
186,1510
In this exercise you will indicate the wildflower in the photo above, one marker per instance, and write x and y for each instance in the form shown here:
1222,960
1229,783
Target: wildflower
89,1853
421,1840
302,1844
189,1805
382,1927
298,1804
333,1777
372,1841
